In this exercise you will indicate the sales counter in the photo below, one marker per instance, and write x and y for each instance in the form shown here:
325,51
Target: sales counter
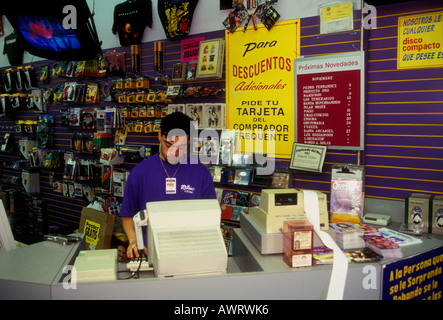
38,271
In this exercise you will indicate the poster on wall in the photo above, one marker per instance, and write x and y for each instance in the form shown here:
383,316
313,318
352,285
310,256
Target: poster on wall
420,41
190,48
260,87
329,100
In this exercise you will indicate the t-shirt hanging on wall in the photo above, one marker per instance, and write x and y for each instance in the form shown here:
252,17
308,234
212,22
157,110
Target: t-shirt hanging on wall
130,19
14,49
176,17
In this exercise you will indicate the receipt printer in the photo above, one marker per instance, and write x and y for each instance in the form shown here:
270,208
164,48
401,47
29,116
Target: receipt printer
279,205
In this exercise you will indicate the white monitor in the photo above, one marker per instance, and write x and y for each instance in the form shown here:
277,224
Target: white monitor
7,241
184,238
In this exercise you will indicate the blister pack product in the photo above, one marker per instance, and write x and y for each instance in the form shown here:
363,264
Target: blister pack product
347,194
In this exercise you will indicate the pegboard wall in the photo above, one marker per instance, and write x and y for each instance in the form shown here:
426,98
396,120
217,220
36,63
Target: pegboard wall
403,115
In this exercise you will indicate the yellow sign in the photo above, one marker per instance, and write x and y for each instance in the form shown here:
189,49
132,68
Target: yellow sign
260,87
338,11
92,230
420,41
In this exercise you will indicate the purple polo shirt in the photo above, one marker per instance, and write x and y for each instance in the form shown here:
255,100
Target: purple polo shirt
147,183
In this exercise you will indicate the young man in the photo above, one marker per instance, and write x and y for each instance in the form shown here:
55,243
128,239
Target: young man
168,175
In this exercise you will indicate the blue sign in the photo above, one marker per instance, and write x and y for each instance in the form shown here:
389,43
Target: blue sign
416,278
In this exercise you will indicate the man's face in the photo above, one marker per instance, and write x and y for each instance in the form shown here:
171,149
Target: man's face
173,149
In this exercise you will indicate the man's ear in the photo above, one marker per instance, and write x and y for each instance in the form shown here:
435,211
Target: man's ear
159,136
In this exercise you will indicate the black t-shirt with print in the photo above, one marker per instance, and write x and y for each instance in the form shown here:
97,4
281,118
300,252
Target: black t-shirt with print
176,17
130,19
14,49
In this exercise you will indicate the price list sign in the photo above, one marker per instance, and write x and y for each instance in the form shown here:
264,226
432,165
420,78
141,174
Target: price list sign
329,101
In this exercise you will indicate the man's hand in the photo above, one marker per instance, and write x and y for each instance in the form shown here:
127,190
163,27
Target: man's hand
132,251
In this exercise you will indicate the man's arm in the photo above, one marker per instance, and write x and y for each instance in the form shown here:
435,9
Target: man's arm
128,227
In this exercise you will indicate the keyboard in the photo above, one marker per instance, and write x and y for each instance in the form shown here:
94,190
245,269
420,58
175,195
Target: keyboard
133,265
188,242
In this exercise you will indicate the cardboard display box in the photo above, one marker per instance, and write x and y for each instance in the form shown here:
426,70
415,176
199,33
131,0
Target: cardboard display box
98,227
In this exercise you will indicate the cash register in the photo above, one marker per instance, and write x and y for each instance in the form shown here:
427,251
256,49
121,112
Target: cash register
264,224
184,237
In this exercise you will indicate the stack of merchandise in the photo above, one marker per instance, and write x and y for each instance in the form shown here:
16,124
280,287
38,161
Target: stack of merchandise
399,238
324,255
384,247
348,235
364,255
369,231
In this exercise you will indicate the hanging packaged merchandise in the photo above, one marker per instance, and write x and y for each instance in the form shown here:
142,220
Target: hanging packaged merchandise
87,143
85,173
91,95
49,159
100,121
17,101
80,69
235,18
47,118
44,135
29,101
176,17
100,141
71,169
65,117
88,118
69,92
268,15
80,92
76,142
106,178
48,95
71,66
29,126
120,136
115,63
19,81
39,101
44,74
29,78
130,20
109,91
9,80
75,117
5,105
59,69
58,93
101,66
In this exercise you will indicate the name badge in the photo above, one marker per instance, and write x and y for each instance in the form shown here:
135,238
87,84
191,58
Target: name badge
171,186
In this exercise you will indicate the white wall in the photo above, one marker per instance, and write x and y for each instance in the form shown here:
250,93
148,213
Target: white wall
207,17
